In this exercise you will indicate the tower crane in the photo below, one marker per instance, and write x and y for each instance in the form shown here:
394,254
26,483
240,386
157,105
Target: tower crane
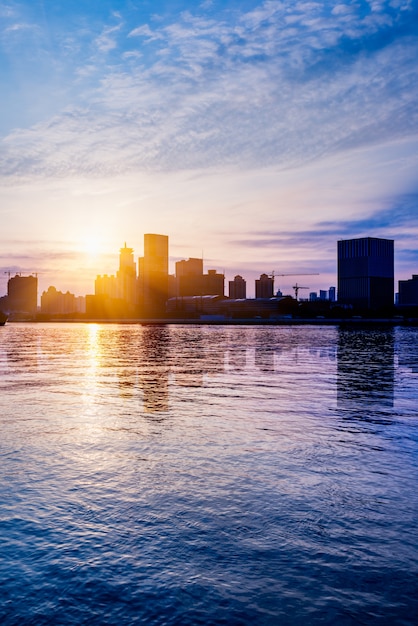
296,287
273,274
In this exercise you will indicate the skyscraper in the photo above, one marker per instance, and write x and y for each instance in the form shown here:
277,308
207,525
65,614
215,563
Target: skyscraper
126,277
117,296
366,272
153,275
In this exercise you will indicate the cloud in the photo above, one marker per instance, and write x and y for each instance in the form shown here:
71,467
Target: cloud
282,84
145,32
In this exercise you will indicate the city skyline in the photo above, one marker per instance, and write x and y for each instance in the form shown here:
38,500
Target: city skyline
134,264
255,136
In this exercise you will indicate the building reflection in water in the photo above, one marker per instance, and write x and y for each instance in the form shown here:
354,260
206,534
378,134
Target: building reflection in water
154,368
125,359
237,358
199,352
407,349
365,370
264,358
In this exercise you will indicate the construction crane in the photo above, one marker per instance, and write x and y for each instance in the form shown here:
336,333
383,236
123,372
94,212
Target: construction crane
273,274
296,287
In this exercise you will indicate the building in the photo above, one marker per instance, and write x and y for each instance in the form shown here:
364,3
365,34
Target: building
323,294
237,288
331,294
213,283
54,302
366,272
408,291
22,294
106,285
189,277
264,286
126,278
117,295
191,281
153,276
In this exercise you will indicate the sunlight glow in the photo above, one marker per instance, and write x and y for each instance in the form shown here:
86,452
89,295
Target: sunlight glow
92,245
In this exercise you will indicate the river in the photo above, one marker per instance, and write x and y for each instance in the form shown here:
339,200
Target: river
208,475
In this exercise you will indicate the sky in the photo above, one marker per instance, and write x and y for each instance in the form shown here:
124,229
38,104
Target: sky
256,134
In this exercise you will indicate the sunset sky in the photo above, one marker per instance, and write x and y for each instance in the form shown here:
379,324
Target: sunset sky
254,133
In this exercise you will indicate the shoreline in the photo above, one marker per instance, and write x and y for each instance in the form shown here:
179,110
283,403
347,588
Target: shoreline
233,322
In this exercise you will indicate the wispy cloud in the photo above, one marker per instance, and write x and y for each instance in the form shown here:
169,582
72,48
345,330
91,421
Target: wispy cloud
107,39
283,83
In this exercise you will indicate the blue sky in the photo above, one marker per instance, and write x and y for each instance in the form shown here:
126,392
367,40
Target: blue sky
254,133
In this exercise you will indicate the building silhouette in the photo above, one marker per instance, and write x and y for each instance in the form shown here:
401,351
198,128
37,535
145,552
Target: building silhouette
22,294
408,291
237,288
153,276
126,278
214,283
366,272
54,302
116,295
264,286
189,277
191,281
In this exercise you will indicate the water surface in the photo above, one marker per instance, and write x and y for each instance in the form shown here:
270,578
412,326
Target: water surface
208,475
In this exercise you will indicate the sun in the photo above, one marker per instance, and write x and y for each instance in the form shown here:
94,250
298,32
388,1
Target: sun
92,245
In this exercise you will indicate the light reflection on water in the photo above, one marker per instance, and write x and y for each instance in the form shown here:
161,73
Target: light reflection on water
208,475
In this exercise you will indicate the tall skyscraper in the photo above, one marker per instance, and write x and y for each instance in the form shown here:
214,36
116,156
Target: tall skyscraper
126,277
366,272
118,294
153,275
238,288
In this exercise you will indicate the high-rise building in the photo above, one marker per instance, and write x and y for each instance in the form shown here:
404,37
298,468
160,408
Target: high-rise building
55,302
153,276
118,294
408,291
213,283
22,294
264,286
191,281
126,277
107,286
366,272
238,288
189,277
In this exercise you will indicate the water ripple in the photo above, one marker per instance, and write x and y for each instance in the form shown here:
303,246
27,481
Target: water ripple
208,475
